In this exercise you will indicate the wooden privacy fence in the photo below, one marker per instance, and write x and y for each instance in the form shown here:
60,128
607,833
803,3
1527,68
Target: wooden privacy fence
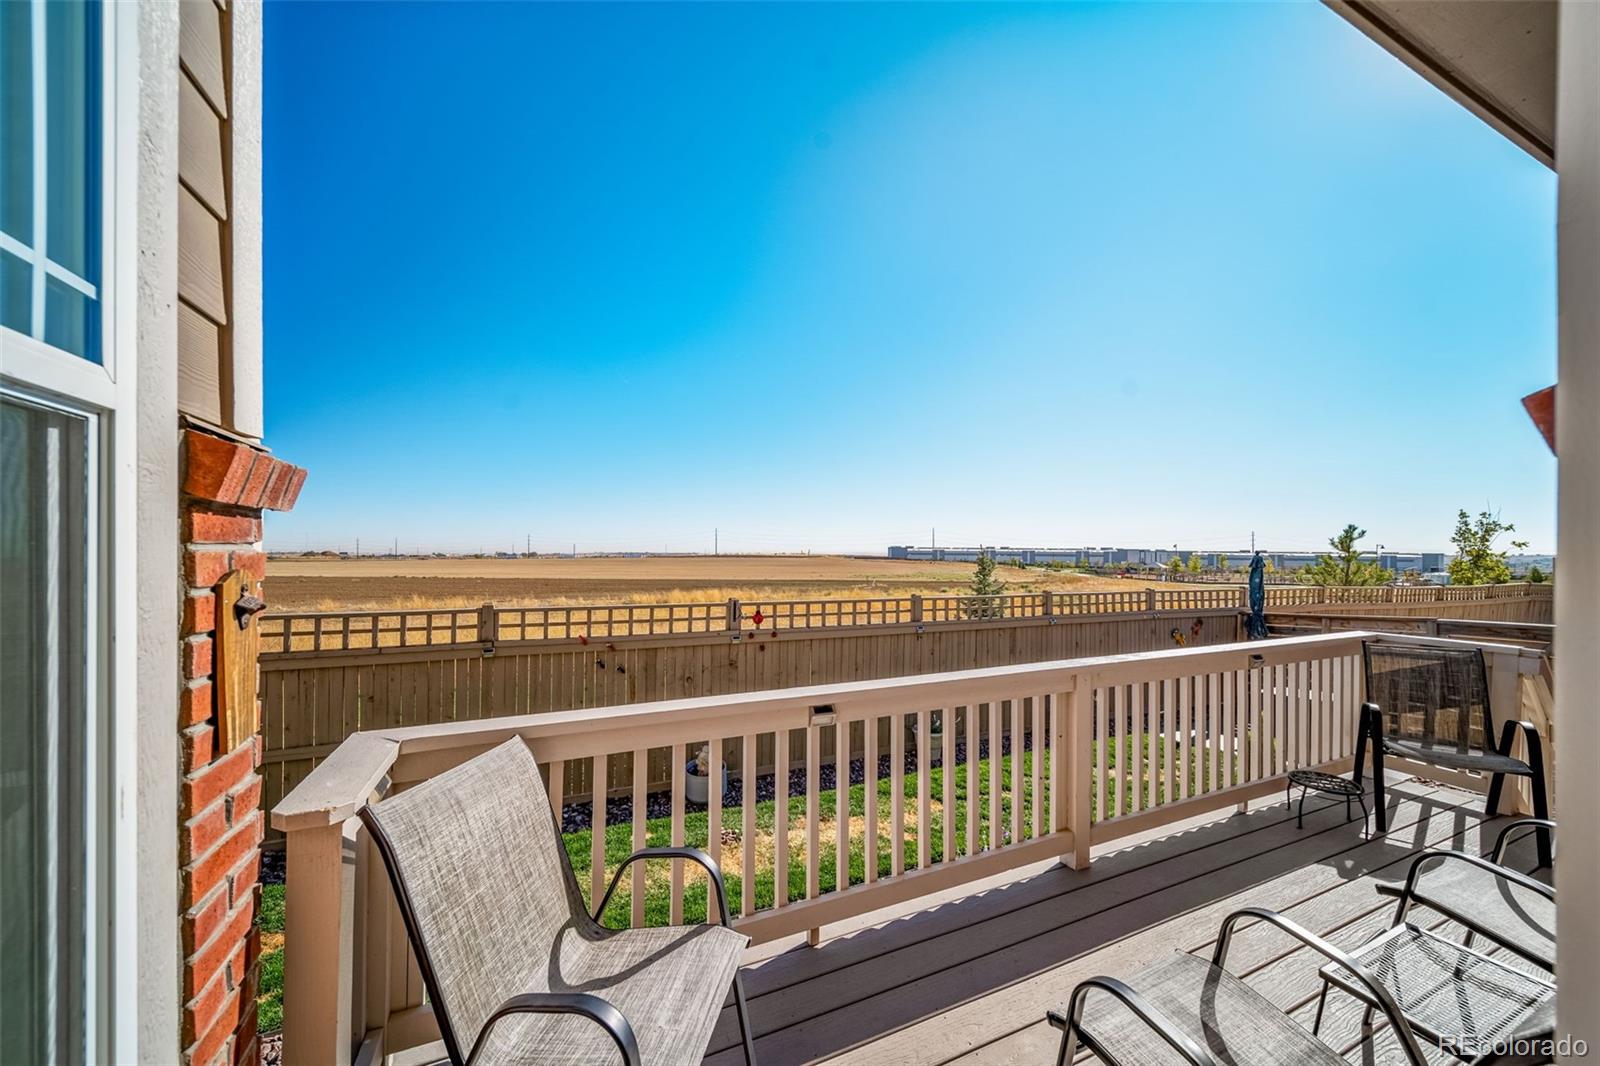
366,630
1100,748
325,676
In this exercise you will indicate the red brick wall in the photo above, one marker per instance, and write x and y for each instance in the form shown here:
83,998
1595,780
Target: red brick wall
226,485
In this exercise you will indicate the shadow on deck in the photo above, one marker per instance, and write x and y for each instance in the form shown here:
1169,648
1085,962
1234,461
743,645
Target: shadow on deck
970,974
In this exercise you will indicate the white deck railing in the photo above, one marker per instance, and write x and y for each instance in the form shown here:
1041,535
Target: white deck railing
1098,749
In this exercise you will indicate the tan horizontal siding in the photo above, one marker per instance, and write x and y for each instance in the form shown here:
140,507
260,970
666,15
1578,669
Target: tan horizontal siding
200,157
200,50
199,364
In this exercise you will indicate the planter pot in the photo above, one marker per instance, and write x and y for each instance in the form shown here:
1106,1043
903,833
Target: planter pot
695,786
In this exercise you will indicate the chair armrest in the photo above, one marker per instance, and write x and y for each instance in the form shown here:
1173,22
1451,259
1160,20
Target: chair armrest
1505,873
1530,734
594,1008
693,855
1159,1023
1501,841
1381,995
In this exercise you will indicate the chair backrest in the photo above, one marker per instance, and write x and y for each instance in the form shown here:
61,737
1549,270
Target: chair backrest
483,884
1433,695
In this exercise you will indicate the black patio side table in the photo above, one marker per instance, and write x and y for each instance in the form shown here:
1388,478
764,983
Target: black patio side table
1316,781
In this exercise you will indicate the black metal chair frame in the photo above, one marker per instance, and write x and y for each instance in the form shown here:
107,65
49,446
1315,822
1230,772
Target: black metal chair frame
583,1004
1070,1022
1370,734
1408,898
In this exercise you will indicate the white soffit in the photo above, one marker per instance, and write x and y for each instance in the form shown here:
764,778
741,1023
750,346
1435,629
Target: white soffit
1495,57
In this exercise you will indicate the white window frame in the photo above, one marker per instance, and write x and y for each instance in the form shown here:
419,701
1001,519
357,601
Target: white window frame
105,393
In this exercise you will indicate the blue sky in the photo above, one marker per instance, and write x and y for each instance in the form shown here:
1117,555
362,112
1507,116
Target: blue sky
823,277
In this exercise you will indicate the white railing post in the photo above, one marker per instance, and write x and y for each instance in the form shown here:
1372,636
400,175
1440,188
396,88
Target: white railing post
318,939
1072,736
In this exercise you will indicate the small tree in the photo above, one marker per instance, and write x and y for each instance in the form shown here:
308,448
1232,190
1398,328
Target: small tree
1175,563
1195,566
1537,576
1222,563
985,583
1477,562
1345,566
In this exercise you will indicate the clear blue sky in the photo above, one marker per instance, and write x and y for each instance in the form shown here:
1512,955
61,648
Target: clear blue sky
824,277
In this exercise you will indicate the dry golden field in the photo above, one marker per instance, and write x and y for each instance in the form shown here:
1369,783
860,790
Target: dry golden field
331,584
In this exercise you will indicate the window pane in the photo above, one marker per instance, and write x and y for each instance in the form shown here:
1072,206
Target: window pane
43,720
72,108
71,320
16,293
16,121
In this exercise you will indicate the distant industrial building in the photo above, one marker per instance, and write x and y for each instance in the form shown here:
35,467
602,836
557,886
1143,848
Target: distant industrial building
1399,562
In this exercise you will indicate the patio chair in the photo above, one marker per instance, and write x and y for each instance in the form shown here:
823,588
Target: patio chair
515,969
1504,911
1191,1008
1431,704
1467,1002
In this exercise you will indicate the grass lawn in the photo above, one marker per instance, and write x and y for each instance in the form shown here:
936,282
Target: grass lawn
658,832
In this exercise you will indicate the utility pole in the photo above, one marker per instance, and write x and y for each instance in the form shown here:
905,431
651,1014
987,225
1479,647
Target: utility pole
397,547
933,538
574,549
358,547
528,549
716,541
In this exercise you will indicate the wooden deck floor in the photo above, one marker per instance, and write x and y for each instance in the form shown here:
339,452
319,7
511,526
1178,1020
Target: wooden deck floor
968,977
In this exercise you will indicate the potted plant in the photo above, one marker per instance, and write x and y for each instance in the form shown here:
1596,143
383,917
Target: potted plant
699,769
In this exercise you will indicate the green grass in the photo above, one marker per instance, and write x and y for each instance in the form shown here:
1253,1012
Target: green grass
269,990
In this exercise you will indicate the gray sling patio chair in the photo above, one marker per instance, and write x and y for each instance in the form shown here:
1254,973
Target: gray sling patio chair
1472,1003
1431,704
515,969
1505,911
1187,1009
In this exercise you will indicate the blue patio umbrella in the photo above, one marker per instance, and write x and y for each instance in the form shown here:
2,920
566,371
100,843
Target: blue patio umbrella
1256,626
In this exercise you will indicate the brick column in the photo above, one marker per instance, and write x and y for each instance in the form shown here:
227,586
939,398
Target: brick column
226,485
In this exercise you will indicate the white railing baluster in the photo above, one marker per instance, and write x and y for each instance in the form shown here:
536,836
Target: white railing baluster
996,796
780,819
714,822
813,811
924,757
1185,735
841,805
947,766
599,767
1035,764
897,793
641,775
1117,759
678,769
1214,734
1017,731
974,785
747,788
869,746
1169,739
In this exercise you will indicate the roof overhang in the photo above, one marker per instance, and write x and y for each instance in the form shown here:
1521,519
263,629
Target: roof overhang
1497,58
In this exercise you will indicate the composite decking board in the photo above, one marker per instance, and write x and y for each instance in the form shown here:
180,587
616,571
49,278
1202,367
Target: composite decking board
997,949
1032,911
1256,951
1129,857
